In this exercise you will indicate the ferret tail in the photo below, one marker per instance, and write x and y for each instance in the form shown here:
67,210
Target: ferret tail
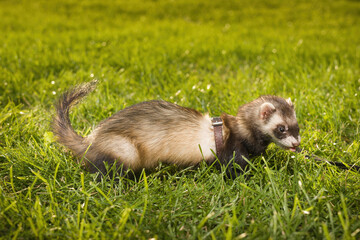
61,124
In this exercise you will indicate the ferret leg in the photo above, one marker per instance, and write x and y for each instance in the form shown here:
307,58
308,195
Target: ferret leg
106,166
231,155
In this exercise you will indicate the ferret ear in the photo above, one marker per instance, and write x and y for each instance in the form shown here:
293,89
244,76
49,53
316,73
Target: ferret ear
266,109
290,102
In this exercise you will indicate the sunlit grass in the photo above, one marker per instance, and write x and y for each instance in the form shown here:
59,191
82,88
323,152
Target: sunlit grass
210,55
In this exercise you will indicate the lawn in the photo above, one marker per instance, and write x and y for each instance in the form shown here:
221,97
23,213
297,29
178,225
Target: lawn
209,55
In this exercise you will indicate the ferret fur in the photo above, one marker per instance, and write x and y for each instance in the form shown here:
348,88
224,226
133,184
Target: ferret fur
141,136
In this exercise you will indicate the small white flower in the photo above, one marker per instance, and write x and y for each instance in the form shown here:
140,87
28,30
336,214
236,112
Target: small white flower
91,75
226,27
53,92
52,82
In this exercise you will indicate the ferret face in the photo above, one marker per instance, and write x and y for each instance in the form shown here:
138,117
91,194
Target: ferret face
279,122
285,132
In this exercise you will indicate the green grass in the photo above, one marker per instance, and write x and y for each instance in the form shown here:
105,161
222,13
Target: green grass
209,55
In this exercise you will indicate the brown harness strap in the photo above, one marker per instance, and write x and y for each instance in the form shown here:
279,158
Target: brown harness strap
217,124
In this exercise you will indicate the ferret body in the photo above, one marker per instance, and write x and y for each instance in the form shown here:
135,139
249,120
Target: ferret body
147,133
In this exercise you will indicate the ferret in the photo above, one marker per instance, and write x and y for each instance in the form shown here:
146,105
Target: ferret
140,136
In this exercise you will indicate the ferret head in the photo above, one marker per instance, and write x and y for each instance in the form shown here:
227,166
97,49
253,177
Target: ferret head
278,120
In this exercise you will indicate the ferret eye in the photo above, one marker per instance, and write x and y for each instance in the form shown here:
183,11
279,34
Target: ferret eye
281,129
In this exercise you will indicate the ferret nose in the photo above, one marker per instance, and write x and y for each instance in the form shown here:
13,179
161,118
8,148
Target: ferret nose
295,144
